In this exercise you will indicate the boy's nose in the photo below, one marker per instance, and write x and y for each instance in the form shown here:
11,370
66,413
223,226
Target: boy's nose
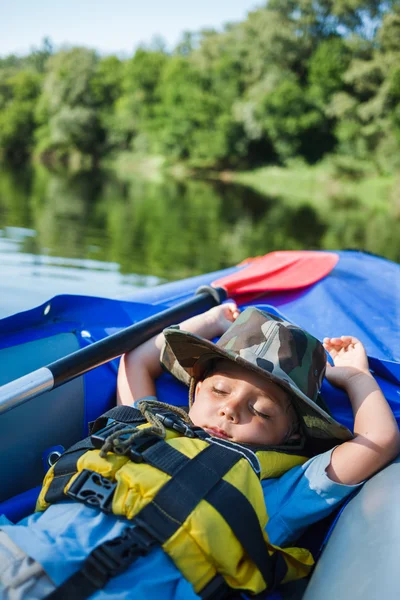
230,411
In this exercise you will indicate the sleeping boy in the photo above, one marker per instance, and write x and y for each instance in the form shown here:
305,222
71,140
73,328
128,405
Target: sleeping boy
185,505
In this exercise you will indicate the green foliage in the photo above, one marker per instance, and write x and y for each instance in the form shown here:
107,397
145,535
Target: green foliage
289,118
192,122
18,93
135,110
366,122
295,79
68,111
326,68
106,82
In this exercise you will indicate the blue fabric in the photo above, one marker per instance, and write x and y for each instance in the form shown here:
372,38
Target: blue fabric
300,498
360,297
61,537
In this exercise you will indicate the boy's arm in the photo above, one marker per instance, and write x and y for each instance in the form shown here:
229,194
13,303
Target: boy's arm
376,435
139,368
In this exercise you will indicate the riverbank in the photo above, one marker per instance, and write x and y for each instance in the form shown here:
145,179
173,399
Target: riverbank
324,185
332,182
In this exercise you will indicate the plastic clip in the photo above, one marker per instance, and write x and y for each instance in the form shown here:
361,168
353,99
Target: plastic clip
93,489
98,439
176,424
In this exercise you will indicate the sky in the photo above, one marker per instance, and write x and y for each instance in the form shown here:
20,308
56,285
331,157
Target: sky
110,26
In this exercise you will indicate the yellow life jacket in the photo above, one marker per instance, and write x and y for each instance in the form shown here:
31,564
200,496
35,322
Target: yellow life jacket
202,496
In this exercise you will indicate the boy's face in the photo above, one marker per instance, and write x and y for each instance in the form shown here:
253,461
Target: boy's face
236,404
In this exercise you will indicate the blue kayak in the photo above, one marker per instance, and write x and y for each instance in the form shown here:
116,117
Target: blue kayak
360,297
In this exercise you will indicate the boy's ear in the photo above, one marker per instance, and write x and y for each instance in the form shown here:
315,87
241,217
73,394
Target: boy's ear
197,389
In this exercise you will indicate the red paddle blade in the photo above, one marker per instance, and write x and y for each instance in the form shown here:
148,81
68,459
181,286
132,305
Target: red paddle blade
279,271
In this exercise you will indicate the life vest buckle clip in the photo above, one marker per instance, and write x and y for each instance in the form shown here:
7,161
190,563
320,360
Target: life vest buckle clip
177,424
99,438
116,555
93,489
138,445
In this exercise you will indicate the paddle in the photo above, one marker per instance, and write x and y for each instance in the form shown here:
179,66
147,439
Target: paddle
277,271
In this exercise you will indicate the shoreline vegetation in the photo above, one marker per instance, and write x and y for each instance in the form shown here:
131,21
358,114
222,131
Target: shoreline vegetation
328,182
299,103
297,80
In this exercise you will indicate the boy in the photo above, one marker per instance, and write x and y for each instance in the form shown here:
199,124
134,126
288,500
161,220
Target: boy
255,389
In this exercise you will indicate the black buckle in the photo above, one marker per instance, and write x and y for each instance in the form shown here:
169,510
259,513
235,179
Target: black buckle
93,489
140,444
98,439
115,556
176,423
137,446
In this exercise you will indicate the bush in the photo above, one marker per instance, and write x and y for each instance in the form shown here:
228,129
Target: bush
346,167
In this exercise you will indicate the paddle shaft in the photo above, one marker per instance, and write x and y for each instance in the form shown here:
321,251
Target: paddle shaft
80,362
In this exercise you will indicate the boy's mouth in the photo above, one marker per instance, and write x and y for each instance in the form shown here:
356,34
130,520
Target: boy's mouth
216,432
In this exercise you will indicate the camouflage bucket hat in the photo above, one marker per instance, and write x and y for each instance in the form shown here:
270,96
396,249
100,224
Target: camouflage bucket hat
270,346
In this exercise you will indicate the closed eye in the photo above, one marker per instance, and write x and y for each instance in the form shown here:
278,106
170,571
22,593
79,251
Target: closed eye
219,392
259,414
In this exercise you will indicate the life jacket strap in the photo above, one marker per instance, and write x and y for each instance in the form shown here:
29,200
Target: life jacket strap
123,414
106,561
156,522
218,589
113,557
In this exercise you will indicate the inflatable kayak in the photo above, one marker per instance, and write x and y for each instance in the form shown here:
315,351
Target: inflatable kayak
54,347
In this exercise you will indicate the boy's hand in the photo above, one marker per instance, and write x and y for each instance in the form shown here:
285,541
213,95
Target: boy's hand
139,368
376,435
221,317
349,357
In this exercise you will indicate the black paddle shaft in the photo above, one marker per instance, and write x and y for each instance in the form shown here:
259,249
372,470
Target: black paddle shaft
127,339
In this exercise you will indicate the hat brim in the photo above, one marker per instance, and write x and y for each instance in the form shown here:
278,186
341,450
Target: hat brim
194,353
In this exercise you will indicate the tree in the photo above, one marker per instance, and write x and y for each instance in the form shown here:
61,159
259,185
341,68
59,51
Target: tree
18,95
326,69
195,118
68,108
367,112
135,109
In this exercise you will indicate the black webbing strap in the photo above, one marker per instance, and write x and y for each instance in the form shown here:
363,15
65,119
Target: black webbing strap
233,506
164,457
189,485
241,517
123,414
104,562
63,470
153,526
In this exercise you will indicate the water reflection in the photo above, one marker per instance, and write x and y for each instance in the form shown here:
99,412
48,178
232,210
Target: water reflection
169,229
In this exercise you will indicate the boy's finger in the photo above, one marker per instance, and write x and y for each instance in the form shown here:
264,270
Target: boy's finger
330,341
334,344
349,339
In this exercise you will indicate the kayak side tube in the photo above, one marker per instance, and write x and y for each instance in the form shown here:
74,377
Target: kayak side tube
360,560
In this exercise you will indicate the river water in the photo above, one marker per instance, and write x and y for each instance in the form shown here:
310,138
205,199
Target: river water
95,234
